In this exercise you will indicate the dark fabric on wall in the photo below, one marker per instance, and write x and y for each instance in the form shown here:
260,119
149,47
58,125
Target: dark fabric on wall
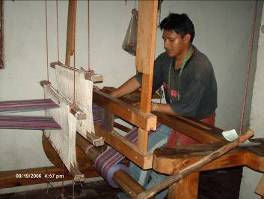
220,184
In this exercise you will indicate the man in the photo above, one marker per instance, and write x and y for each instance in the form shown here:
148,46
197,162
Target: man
188,79
186,74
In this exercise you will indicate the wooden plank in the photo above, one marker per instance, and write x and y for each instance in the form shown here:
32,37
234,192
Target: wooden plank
127,183
146,45
27,105
38,175
146,121
88,75
260,187
121,127
197,130
125,147
142,141
146,36
194,167
166,161
186,188
28,122
71,24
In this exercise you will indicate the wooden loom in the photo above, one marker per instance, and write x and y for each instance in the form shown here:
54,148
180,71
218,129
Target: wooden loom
167,161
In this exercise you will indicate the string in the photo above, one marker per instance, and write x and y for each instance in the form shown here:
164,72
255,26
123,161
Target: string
88,14
250,55
57,13
47,46
74,59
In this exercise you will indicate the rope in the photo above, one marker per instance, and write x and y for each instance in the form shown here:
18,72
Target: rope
74,76
88,14
47,45
57,16
74,61
250,55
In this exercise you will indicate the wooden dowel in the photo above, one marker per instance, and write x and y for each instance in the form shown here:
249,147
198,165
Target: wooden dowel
194,167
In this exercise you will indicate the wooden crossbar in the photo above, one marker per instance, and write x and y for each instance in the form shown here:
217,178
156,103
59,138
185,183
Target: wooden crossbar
196,130
146,121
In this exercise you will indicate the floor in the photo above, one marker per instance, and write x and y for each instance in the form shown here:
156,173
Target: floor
91,190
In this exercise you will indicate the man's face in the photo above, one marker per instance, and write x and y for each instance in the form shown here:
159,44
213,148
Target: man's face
174,43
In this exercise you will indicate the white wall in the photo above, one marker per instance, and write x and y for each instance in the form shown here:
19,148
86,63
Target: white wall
25,61
222,32
251,178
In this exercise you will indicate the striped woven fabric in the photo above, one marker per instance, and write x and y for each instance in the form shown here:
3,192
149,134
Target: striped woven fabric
27,122
109,161
26,105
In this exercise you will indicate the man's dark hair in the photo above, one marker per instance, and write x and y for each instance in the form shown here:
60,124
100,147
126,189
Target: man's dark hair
180,23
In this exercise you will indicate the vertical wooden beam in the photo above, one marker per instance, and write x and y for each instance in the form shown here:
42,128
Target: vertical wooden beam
146,44
71,24
186,188
260,187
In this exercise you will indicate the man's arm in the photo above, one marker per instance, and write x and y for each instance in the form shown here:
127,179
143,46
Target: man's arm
162,108
128,87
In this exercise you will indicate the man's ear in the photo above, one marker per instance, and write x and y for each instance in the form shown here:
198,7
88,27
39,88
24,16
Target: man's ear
187,38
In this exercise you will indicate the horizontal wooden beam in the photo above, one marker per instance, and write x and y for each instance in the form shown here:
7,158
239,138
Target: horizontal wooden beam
170,160
146,121
88,75
37,176
197,130
125,147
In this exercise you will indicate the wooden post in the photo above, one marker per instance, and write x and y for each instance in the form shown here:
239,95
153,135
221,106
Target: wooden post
179,191
260,187
146,44
71,24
